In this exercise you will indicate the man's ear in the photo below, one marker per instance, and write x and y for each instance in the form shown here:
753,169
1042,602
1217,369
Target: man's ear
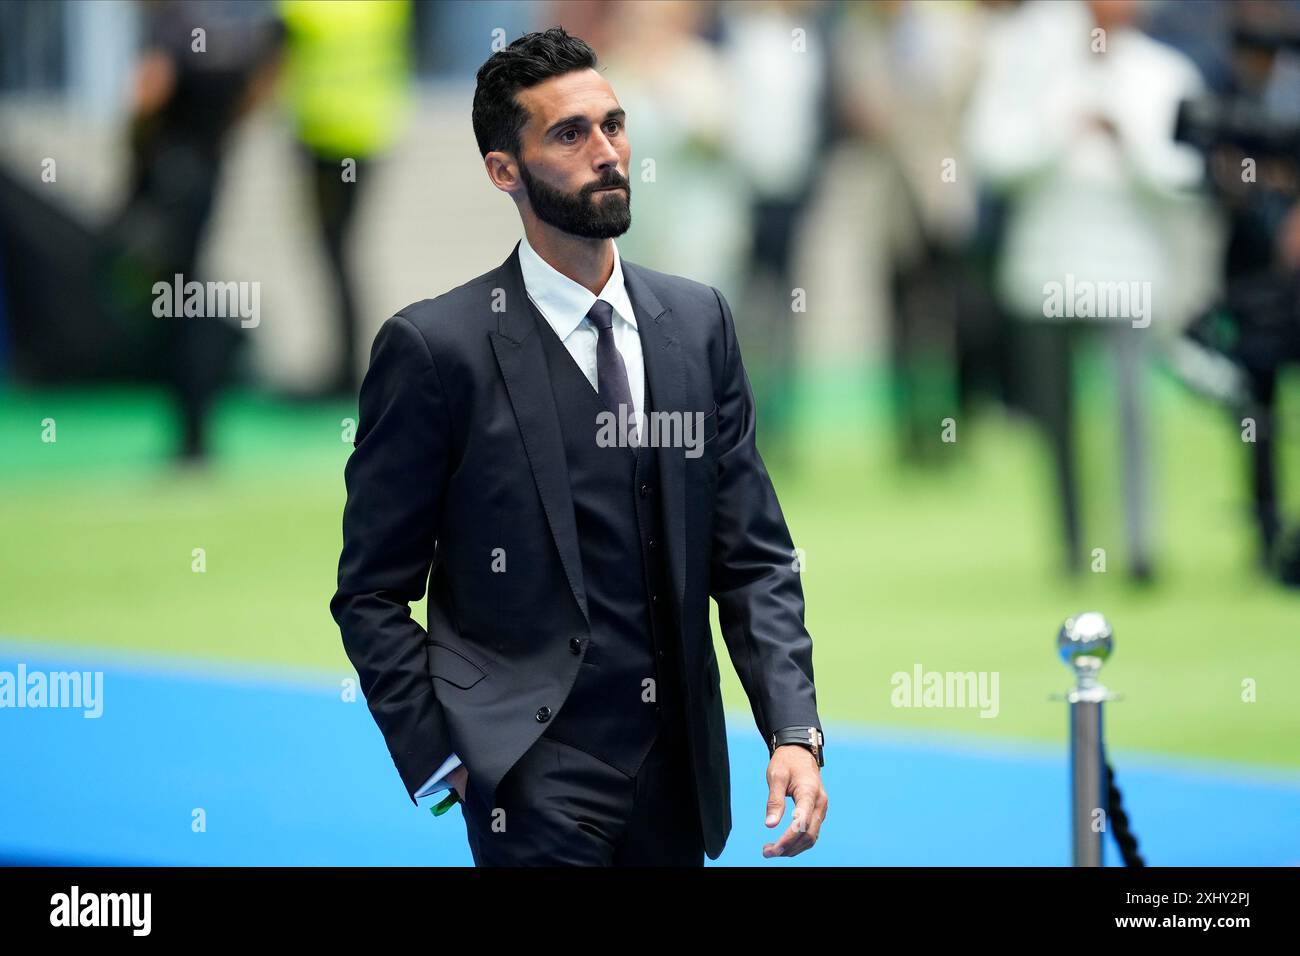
503,171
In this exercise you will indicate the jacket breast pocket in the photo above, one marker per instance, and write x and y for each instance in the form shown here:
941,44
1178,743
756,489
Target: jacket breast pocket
450,665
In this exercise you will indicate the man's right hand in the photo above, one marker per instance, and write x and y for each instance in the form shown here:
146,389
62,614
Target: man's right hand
459,778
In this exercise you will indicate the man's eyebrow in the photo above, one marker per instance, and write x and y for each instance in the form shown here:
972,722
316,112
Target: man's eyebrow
617,113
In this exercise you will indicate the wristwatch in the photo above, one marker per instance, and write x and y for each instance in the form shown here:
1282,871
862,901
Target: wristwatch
810,737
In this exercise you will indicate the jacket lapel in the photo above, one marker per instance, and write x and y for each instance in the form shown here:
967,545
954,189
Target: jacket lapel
523,368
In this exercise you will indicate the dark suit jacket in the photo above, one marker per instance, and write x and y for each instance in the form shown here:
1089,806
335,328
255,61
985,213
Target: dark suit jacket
459,462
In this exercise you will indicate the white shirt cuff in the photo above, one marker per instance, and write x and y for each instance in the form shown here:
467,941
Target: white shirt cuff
436,782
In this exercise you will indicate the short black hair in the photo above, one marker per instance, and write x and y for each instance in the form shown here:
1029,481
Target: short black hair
534,57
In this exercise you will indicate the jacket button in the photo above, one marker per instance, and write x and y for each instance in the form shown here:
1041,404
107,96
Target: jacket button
645,491
653,544
654,599
575,645
543,714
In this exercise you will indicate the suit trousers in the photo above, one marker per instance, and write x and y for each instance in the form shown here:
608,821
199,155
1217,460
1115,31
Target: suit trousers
560,806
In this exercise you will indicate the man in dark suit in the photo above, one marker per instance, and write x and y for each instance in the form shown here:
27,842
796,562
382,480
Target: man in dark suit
568,442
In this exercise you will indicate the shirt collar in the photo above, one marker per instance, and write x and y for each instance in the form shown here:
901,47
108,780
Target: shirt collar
563,302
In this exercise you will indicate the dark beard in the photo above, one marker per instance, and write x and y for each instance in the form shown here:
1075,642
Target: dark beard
581,214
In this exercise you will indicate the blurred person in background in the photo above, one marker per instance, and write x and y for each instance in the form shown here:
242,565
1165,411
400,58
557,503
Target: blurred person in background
917,63
776,51
1073,122
1248,129
190,88
347,71
671,78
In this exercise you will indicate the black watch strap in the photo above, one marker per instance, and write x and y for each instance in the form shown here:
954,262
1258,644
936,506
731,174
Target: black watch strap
810,737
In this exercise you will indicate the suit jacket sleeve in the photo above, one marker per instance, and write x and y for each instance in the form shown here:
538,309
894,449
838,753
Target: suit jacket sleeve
395,478
753,576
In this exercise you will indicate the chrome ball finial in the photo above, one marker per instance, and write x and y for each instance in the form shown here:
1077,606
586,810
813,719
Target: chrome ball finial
1084,642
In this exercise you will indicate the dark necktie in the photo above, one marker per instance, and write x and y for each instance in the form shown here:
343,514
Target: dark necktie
611,373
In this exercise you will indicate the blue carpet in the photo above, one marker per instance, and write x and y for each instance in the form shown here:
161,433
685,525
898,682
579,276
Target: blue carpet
279,770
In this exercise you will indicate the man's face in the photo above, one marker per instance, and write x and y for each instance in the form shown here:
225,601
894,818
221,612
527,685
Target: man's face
574,156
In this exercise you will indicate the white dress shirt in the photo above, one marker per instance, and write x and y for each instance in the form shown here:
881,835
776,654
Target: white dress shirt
565,304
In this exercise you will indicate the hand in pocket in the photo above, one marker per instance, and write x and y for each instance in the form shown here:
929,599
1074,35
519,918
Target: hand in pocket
460,781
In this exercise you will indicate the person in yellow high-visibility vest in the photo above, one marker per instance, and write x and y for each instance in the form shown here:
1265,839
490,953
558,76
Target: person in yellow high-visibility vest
347,74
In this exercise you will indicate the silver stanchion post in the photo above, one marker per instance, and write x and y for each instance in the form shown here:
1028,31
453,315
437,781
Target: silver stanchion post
1084,642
